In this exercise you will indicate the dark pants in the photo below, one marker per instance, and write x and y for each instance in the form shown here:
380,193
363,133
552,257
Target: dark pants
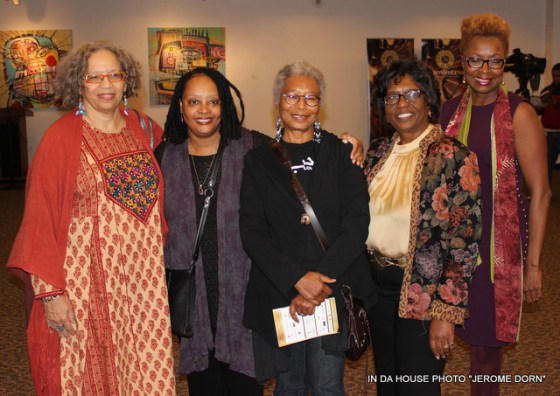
485,361
311,369
404,362
219,380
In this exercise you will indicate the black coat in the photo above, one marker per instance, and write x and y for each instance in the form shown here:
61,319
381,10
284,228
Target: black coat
273,236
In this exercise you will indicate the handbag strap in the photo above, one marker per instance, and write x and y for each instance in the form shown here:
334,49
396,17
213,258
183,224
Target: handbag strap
148,131
209,193
282,155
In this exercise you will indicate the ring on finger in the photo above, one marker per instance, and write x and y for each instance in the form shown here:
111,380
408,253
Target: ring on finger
59,327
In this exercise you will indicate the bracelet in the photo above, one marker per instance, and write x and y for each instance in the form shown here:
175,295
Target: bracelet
50,298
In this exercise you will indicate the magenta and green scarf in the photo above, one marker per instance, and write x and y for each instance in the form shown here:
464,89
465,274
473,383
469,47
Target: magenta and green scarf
506,262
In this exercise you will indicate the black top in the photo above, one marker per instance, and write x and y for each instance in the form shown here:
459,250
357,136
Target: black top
209,243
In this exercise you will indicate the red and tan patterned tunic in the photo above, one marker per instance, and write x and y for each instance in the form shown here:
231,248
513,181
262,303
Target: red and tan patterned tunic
115,274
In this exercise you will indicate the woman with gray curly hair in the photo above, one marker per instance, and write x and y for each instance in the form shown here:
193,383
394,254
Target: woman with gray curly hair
91,241
289,265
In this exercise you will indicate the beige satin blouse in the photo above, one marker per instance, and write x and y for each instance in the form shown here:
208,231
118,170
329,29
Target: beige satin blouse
390,194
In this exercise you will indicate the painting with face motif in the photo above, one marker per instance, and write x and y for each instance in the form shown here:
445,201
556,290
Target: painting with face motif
175,51
28,62
443,56
381,51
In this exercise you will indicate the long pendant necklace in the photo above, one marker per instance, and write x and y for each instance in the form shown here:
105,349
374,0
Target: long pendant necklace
202,186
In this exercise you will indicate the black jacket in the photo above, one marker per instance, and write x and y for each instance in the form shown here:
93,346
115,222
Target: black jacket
272,234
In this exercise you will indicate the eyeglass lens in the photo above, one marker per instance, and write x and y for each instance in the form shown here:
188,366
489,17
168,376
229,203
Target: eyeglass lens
477,63
410,96
94,78
310,100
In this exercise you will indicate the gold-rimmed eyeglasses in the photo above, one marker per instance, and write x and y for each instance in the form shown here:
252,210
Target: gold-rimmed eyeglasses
310,100
95,78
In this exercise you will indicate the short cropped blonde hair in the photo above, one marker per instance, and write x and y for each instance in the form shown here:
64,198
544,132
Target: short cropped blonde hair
485,25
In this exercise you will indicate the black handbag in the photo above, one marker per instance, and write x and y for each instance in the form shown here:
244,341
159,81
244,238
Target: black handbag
356,318
359,336
181,285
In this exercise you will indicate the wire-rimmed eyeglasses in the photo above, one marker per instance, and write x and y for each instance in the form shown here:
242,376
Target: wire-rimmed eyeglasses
411,96
95,78
477,63
310,100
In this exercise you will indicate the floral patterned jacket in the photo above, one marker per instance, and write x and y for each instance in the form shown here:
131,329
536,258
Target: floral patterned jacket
444,230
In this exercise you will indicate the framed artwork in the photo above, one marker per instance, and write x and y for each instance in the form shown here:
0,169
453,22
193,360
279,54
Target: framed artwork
381,51
28,62
443,56
175,51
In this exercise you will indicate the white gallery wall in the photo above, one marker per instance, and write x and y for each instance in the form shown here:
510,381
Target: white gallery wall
264,35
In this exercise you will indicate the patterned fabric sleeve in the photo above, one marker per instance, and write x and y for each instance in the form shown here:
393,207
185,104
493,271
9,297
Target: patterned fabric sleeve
43,289
457,200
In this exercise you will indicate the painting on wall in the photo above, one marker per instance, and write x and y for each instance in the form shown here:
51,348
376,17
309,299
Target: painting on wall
443,56
175,51
28,62
381,51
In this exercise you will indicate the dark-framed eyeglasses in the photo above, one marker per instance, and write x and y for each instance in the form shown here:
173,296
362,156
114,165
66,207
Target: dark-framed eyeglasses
310,100
477,63
95,78
411,96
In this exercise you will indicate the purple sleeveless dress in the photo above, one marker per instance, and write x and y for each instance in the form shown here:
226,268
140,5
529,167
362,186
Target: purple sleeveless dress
480,327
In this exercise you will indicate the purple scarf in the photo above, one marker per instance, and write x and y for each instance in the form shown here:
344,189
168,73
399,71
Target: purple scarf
233,342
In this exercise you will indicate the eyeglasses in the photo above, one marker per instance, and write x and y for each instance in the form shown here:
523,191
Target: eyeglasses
94,78
477,63
310,100
411,96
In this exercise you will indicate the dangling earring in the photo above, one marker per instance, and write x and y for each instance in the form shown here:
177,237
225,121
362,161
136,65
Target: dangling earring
464,81
317,134
182,121
278,129
503,82
81,110
430,115
126,105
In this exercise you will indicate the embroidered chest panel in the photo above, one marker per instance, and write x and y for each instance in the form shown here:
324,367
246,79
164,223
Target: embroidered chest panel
125,170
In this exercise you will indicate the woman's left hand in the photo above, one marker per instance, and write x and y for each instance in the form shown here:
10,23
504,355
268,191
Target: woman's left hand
357,154
532,289
441,338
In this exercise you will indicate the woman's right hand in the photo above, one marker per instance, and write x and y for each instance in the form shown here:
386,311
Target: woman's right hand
300,306
312,287
60,316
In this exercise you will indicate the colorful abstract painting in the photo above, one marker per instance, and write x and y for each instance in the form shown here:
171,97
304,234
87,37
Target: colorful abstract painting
381,51
28,62
444,57
175,51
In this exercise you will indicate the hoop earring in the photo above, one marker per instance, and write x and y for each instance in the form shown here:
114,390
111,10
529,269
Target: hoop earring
81,109
278,129
126,105
317,133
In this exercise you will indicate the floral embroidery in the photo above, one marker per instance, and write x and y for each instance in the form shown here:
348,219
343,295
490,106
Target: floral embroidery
439,203
132,182
470,178
418,301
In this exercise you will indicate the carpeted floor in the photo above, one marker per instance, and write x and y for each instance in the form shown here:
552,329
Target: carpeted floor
531,367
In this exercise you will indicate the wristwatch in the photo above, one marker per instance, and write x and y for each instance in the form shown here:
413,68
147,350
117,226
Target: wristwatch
50,298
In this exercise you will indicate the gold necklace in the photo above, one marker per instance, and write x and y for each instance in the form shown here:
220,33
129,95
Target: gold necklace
201,186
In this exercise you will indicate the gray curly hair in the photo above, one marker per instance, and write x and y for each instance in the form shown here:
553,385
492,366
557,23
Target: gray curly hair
68,81
301,68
